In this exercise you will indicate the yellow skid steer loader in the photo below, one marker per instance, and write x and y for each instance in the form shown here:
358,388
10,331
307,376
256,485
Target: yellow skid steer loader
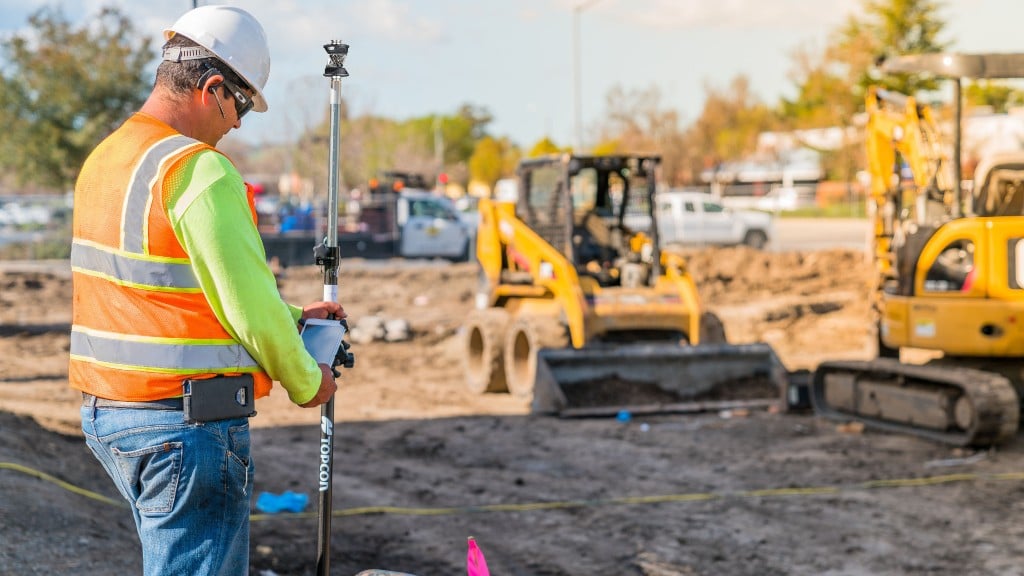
579,309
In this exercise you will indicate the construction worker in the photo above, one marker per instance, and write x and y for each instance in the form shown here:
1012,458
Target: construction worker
171,284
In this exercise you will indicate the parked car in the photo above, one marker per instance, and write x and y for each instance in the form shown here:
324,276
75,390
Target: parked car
698,218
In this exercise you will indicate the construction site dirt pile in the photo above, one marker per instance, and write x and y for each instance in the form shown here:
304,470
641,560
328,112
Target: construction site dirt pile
422,464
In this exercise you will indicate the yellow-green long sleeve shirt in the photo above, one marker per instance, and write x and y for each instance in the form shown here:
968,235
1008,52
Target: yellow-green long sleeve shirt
210,214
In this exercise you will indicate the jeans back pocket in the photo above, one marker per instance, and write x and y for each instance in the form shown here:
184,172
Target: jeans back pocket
151,474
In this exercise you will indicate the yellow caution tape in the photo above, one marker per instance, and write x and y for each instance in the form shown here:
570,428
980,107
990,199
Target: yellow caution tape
534,506
65,485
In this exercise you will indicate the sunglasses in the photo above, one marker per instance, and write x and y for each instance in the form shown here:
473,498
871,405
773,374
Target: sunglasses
243,102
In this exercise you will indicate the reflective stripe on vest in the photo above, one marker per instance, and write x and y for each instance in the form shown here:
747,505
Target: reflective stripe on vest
136,201
160,354
147,273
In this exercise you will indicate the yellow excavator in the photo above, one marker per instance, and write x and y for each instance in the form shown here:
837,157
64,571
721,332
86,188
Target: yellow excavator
580,311
950,272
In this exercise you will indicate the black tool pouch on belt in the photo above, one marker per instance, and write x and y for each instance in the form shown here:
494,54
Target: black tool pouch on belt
218,398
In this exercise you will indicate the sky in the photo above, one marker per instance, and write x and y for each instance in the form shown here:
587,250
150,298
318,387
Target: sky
515,58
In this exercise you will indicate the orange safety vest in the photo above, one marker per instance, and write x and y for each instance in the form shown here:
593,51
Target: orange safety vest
140,322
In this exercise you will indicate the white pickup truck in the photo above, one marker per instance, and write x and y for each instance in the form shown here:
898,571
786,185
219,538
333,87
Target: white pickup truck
698,218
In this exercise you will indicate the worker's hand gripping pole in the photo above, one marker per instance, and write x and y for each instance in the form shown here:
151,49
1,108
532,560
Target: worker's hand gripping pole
327,256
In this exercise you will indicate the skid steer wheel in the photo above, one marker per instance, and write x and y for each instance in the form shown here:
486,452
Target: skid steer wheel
527,335
485,341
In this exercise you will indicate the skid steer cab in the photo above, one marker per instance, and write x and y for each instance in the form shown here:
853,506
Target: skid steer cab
578,310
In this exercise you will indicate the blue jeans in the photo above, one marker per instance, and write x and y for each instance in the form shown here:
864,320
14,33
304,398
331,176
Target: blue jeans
188,486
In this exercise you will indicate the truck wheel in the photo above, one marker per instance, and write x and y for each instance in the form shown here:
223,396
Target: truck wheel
485,340
756,239
528,334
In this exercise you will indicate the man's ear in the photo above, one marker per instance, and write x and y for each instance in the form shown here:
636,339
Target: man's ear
209,81
209,89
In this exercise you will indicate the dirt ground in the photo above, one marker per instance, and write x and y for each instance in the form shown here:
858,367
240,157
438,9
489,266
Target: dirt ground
421,464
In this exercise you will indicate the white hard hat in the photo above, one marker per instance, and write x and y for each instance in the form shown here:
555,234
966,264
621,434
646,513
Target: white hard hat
234,37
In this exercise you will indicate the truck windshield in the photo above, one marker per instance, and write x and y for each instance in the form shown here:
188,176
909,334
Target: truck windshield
430,209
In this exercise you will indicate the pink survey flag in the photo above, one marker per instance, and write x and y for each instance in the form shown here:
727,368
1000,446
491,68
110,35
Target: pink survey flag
475,563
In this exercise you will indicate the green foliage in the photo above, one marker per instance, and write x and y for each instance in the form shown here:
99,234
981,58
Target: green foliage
900,27
63,89
543,147
824,96
831,84
906,26
995,94
852,209
638,123
462,131
511,155
730,122
607,148
371,144
486,164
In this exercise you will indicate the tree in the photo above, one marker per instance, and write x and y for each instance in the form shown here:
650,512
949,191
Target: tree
825,90
543,147
637,123
728,126
831,86
464,130
487,163
63,89
995,94
893,28
371,143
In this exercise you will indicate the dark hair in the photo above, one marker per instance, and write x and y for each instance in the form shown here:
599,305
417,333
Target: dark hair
183,77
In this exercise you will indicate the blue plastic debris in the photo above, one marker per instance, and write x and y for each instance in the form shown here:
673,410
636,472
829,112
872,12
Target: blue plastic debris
288,501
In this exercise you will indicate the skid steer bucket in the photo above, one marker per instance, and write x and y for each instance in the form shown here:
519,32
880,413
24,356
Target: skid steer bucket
659,378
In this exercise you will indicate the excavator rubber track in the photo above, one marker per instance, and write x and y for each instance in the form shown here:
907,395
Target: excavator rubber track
956,406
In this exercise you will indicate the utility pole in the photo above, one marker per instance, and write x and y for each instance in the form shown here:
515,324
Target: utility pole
577,113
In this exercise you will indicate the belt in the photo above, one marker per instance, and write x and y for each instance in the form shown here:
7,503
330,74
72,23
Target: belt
165,404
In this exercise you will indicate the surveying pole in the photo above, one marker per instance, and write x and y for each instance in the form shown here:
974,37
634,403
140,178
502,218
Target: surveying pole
327,256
